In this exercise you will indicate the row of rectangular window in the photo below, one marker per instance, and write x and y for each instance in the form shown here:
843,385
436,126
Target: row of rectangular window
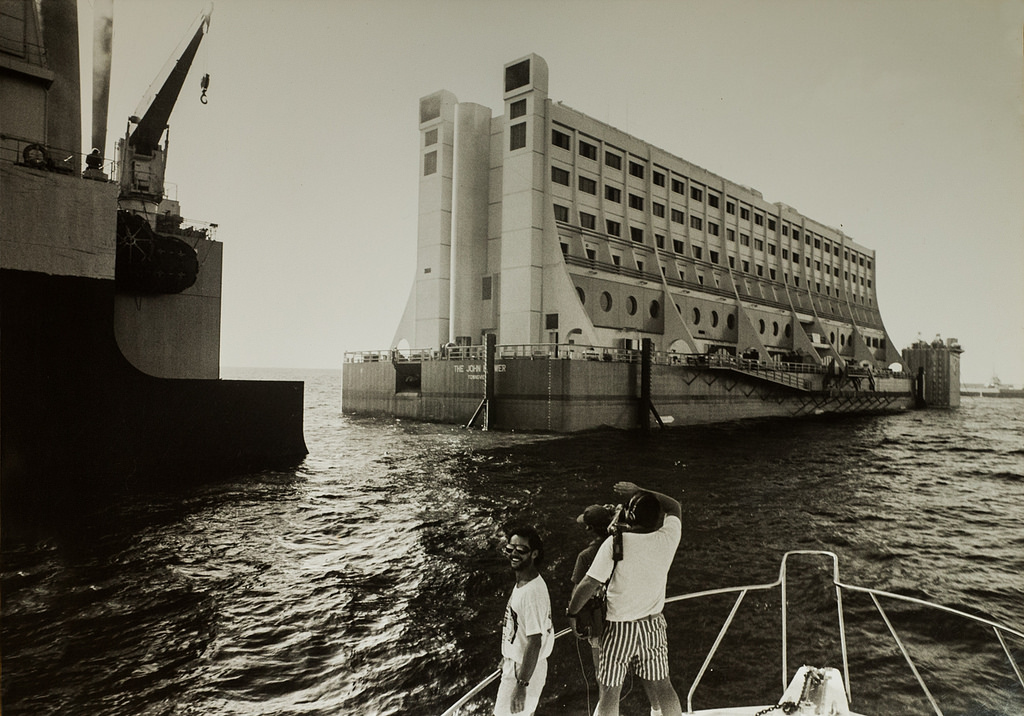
590,151
636,234
679,217
696,223
617,261
589,186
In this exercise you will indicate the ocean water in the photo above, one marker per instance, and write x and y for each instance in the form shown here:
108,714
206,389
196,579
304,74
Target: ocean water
368,580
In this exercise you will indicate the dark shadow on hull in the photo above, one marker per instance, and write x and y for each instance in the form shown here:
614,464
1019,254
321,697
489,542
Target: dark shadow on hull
79,420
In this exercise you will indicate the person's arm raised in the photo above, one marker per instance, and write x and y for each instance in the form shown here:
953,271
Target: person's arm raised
670,505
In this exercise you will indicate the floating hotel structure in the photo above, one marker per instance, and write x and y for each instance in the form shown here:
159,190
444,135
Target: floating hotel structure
575,245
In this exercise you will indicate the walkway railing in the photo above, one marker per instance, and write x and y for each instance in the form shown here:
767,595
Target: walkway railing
1000,631
574,351
528,351
66,162
63,161
786,373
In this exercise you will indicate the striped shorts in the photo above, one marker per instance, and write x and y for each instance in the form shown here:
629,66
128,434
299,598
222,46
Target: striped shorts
642,643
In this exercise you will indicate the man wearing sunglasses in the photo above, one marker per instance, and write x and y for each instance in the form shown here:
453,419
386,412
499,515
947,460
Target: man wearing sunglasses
527,633
635,634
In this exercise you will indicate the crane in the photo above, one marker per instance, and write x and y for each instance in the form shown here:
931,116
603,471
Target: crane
151,259
142,159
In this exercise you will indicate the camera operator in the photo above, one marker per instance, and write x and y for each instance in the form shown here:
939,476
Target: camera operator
596,519
636,629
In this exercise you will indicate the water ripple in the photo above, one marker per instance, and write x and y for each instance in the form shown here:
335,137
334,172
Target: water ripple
368,580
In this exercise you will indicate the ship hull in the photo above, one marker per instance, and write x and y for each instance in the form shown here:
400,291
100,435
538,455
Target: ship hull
77,417
558,395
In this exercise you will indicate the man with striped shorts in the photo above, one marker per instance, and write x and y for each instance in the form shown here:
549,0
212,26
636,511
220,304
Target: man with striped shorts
635,635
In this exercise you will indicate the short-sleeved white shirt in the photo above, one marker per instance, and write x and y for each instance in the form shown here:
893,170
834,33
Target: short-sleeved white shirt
637,589
528,612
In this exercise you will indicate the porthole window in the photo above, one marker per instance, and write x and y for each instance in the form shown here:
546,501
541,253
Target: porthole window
730,321
714,318
583,296
696,316
788,330
842,339
655,309
761,323
775,328
832,337
631,305
606,301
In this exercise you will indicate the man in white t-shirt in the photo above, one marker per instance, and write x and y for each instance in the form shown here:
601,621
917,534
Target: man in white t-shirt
527,634
636,632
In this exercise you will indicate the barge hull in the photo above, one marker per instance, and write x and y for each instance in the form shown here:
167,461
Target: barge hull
566,396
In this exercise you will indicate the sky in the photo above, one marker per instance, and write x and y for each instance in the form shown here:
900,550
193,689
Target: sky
900,122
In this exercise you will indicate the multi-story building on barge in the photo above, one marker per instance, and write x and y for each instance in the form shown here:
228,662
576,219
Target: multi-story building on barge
565,237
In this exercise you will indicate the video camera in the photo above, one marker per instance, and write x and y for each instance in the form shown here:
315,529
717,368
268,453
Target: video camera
625,520
619,523
624,517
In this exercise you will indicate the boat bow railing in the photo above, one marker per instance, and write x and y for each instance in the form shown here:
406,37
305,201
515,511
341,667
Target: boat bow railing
1001,631
839,586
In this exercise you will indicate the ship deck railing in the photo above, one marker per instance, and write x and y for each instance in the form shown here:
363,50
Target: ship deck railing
1001,632
57,159
792,373
70,163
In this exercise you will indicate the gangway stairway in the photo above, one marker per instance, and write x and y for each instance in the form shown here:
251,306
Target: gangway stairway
787,378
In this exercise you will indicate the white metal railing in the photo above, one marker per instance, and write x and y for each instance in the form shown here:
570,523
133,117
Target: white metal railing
1001,631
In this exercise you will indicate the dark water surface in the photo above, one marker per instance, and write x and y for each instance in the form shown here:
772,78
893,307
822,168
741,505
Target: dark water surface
368,580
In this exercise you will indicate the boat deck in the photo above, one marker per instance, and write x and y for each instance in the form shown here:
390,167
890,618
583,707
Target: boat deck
817,691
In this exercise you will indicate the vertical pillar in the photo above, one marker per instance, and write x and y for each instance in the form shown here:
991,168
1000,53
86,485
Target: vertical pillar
470,194
432,291
64,101
524,191
644,408
489,352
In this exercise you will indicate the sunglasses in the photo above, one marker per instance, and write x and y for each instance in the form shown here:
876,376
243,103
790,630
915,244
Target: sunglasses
511,549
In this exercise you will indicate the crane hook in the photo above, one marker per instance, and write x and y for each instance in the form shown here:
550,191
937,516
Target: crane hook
205,84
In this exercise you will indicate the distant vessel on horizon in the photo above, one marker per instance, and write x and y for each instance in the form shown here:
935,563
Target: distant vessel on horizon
995,388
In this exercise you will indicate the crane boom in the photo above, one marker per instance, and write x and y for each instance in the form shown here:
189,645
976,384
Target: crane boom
146,136
142,160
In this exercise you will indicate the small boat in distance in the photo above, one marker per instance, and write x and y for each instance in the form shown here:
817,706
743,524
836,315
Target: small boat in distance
811,690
